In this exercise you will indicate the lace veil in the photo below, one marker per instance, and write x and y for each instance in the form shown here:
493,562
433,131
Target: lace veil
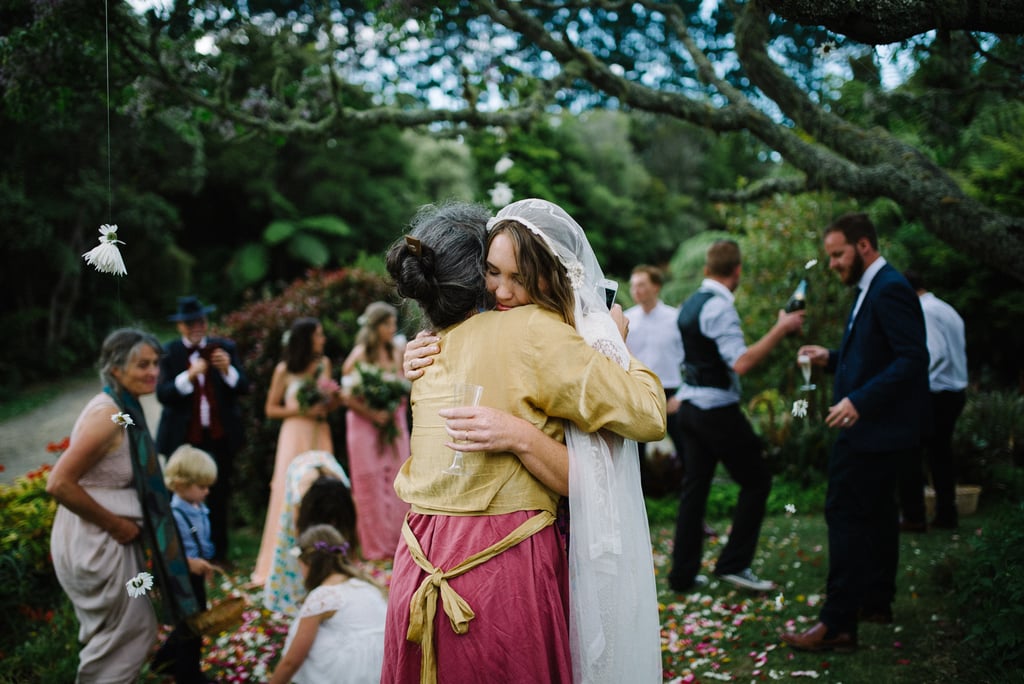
614,623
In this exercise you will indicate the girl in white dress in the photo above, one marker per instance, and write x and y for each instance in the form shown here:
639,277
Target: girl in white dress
338,635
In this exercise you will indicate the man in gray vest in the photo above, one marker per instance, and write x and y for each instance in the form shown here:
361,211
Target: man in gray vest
715,429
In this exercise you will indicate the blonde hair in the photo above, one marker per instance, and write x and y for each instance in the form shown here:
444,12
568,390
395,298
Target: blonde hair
189,465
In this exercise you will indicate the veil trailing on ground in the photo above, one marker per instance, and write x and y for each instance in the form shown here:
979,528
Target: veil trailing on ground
614,623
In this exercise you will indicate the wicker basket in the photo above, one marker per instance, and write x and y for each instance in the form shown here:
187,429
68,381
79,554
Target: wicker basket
223,615
966,500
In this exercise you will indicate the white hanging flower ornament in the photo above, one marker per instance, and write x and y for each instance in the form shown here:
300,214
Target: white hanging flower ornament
139,585
503,165
122,419
501,194
800,408
106,257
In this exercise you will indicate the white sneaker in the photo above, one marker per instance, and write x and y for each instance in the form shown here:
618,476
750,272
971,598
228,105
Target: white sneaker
746,579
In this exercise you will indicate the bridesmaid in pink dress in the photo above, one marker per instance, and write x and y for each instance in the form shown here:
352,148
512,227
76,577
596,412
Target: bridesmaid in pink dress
302,428
373,460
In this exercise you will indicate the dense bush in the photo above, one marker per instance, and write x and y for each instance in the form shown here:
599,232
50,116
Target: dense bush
989,443
30,590
337,298
990,593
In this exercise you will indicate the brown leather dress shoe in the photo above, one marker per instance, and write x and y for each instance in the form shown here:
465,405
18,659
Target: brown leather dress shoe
817,639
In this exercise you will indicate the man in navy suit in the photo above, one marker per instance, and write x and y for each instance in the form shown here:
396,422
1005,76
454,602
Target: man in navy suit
881,397
200,381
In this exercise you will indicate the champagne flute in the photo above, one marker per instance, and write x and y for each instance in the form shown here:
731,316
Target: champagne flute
463,394
804,361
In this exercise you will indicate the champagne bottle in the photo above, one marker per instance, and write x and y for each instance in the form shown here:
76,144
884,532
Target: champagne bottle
798,300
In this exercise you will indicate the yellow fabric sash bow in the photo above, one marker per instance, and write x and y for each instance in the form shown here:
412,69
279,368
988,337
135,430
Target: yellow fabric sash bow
423,606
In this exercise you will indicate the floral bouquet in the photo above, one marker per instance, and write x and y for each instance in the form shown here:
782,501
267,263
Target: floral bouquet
380,391
315,391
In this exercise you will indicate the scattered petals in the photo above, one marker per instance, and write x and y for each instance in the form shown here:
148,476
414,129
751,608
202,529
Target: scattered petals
122,419
800,408
139,585
106,257
790,509
810,264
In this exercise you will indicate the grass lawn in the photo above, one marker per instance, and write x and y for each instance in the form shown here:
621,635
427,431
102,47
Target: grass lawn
722,634
719,634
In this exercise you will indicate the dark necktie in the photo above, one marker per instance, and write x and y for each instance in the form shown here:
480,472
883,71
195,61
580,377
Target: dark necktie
200,390
853,307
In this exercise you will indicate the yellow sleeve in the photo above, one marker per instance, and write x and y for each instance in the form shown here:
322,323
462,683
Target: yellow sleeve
581,384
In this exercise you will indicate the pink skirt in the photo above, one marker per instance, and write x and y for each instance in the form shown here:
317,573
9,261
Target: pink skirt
520,598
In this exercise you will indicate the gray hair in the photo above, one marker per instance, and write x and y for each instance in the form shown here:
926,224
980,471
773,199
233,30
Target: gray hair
120,348
444,273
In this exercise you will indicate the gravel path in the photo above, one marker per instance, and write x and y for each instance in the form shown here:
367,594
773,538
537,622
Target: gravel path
23,439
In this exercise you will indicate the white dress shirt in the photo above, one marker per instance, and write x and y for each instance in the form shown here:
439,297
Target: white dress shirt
947,346
654,339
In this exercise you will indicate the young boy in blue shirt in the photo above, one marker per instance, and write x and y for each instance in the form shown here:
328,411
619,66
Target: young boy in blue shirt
189,473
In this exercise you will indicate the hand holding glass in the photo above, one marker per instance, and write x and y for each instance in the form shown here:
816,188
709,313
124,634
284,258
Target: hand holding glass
804,362
463,394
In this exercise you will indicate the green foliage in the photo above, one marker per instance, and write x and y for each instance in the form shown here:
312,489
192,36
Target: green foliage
989,443
337,298
990,595
991,304
45,647
30,591
797,448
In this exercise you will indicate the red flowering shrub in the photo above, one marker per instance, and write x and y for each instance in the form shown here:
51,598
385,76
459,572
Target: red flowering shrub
30,589
336,298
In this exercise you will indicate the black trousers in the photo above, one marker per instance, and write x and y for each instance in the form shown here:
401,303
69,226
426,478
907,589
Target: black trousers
675,432
219,498
863,534
181,655
709,437
946,408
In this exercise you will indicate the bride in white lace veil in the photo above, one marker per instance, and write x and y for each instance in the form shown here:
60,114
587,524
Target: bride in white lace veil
614,623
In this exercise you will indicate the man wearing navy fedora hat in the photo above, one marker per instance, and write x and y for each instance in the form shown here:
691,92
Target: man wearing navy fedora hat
200,381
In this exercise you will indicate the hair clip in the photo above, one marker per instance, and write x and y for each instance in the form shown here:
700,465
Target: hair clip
415,248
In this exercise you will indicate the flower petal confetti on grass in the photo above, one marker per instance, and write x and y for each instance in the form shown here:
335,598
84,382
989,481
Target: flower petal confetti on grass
106,257
810,264
139,585
800,408
790,509
122,419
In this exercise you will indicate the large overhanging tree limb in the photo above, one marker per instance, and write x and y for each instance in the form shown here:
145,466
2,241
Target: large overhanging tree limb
830,152
877,22
839,156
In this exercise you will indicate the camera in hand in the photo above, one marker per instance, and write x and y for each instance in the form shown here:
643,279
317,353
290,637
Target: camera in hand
798,300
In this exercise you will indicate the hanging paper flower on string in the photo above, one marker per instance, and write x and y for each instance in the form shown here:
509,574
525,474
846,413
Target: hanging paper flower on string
800,408
106,257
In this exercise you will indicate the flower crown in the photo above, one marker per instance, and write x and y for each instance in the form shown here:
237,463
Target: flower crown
322,546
